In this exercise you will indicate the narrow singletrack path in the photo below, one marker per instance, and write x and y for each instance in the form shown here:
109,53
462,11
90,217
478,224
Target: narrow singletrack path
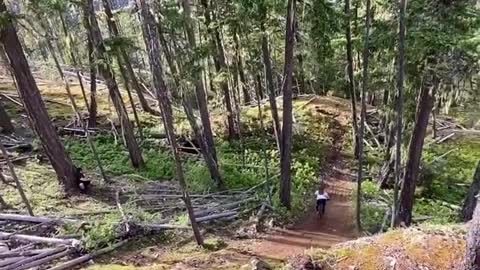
314,231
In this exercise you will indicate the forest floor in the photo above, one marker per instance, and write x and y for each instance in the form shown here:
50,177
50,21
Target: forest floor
313,230
276,245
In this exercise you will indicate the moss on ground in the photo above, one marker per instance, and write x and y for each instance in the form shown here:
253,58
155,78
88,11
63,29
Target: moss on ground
437,248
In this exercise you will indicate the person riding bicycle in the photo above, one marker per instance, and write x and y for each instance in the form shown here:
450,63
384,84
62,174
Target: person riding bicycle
322,198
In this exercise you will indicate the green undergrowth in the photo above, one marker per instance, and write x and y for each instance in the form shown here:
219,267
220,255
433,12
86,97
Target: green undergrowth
241,166
445,180
442,187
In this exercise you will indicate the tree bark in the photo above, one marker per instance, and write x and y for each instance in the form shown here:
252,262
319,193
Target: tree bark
73,103
366,55
472,254
18,184
92,110
258,80
153,48
241,70
126,68
399,109
5,121
299,72
286,143
407,194
220,66
351,81
470,200
35,108
207,155
271,89
199,85
105,70
73,58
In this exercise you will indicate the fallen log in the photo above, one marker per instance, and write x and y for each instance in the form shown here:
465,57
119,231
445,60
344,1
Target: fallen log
39,239
216,216
85,258
23,218
44,260
160,227
37,257
445,138
25,253
220,207
9,261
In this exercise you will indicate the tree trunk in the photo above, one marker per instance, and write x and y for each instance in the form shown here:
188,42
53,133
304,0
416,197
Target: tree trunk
271,89
241,70
35,108
199,85
220,66
73,58
258,80
399,109
299,74
471,200
153,48
351,81
472,254
73,103
207,155
366,55
126,68
286,143
106,72
92,110
5,121
407,194
18,184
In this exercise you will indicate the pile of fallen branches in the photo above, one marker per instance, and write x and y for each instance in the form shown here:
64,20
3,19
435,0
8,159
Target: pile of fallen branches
29,245
166,199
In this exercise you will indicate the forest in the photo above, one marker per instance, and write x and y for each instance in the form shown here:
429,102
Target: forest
207,134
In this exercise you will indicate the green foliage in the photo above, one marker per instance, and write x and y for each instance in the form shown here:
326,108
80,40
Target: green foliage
372,217
159,165
451,175
370,190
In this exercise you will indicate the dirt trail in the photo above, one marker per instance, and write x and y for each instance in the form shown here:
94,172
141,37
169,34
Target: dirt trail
336,226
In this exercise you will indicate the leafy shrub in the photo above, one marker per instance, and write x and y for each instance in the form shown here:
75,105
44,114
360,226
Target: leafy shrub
372,217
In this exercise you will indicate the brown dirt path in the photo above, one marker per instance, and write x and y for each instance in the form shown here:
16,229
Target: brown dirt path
313,231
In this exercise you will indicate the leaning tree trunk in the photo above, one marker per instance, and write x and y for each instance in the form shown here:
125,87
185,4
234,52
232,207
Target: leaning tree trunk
200,92
106,72
126,67
74,59
92,110
351,81
241,70
366,52
73,102
400,100
153,48
5,121
220,66
271,89
35,108
18,184
126,70
472,255
470,200
286,143
205,149
407,194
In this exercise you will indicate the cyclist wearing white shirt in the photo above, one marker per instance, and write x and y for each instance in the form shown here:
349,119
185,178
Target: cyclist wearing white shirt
322,198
